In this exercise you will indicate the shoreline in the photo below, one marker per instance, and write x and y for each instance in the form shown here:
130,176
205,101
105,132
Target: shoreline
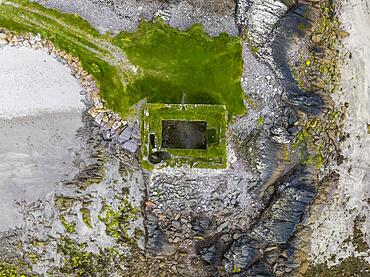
348,205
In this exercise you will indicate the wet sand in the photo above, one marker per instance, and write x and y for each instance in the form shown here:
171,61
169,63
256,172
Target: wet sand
39,116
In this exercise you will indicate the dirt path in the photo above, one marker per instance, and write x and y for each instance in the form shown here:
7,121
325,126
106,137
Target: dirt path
109,53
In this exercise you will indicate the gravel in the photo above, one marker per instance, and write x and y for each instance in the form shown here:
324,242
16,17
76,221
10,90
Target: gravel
113,16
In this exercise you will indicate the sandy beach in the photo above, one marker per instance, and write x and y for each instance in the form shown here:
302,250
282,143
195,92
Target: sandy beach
33,83
40,114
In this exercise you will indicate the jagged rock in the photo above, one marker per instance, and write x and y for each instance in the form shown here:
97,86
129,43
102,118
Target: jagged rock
211,250
276,225
156,240
279,222
200,224
242,254
99,118
342,33
107,134
131,146
116,125
292,117
259,270
285,46
316,38
136,131
292,130
260,18
279,134
125,135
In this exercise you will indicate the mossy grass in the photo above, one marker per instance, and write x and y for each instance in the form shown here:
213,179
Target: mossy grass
215,116
79,261
11,270
173,65
70,227
188,66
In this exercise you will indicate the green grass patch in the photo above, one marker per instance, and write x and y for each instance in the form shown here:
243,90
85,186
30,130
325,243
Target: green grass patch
189,66
212,157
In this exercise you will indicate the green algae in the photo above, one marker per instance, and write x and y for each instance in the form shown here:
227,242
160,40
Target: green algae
86,218
8,269
70,227
117,221
260,121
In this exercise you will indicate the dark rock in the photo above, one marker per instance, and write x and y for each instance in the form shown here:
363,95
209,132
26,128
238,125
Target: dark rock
340,159
211,250
159,156
200,224
292,130
290,28
242,254
292,118
156,240
259,270
278,223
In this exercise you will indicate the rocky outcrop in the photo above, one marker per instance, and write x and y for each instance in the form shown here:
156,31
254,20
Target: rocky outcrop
260,18
277,30
275,227
289,41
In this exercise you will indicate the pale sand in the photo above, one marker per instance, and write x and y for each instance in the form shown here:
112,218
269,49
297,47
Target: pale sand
353,192
32,83
41,112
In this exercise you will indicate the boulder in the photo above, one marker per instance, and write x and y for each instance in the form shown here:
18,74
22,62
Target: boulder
131,146
125,135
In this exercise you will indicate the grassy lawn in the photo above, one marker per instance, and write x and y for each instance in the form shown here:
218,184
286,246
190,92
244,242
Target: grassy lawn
184,65
215,116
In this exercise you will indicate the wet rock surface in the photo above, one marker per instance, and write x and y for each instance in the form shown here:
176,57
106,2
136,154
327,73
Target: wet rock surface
290,37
